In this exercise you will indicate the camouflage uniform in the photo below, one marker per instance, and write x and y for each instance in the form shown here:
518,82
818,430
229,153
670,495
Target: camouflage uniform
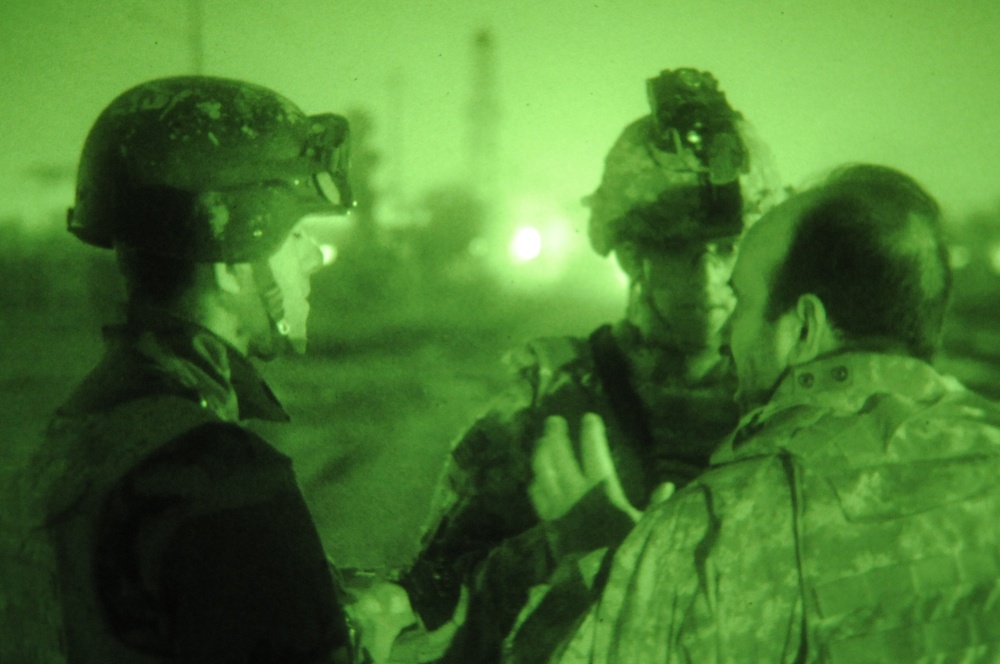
852,519
661,430
690,172
154,514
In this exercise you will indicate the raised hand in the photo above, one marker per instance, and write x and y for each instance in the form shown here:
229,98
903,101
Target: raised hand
561,481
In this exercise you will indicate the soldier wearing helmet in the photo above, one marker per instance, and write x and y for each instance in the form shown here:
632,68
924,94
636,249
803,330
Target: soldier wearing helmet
679,186
162,529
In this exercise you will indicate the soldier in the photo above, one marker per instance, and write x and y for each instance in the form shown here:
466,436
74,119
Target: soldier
678,188
161,528
853,514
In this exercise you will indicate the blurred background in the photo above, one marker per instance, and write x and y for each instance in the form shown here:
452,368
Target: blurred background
477,129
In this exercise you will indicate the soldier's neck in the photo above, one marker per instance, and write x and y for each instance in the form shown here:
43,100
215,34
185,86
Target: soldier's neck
203,311
691,365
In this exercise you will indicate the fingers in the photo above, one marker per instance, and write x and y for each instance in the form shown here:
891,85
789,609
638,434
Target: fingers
381,613
432,645
462,609
599,466
662,493
559,481
548,460
597,462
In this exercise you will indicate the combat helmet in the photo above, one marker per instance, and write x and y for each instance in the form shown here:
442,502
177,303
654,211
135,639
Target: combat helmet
691,169
207,169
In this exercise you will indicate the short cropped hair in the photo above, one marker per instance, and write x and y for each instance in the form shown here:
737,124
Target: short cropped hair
153,278
869,245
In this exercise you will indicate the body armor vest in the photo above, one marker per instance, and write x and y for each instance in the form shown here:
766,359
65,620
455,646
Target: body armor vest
51,612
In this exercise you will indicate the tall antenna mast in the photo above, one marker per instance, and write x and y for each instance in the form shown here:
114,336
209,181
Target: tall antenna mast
483,146
196,36
396,192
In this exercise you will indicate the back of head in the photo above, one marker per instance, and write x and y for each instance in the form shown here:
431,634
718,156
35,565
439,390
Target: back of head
198,169
869,244
692,169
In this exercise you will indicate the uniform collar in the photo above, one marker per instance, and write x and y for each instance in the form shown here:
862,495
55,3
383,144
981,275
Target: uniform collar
841,379
224,379
157,353
841,383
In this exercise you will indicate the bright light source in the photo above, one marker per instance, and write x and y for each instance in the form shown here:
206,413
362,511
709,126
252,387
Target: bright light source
959,257
329,253
995,257
526,244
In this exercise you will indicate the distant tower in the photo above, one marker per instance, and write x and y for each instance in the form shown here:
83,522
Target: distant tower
393,207
484,115
196,36
364,162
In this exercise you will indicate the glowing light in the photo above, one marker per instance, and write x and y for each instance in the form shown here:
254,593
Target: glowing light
959,257
995,257
527,244
329,253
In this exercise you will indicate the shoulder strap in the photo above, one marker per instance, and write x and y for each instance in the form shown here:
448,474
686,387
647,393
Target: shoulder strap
79,459
613,370
80,453
548,357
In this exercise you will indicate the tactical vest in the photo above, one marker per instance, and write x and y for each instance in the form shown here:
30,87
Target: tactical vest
577,376
50,612
573,376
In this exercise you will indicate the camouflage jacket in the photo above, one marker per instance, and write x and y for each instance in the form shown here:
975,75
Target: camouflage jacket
854,519
485,533
154,528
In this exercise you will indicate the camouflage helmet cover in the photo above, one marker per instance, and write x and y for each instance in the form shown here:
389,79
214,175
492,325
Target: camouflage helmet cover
692,169
206,169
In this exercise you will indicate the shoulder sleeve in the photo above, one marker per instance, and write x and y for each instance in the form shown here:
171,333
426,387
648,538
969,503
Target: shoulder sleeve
212,536
710,575
481,498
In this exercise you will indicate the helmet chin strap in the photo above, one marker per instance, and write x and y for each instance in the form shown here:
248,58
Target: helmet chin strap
273,301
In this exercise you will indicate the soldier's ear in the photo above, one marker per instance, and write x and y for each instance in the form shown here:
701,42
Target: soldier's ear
816,335
227,278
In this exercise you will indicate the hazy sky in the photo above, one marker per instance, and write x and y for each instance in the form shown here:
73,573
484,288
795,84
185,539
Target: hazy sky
913,84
